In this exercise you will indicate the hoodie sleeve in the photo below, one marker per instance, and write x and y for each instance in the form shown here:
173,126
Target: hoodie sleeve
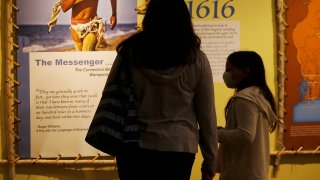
246,117
206,115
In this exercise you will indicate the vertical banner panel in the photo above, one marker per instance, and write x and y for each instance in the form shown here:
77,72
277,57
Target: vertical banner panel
302,87
218,40
64,104
220,34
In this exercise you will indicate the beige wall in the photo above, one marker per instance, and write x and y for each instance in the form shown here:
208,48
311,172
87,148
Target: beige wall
257,33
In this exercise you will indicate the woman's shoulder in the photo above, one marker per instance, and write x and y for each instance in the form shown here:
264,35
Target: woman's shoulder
201,55
201,60
199,68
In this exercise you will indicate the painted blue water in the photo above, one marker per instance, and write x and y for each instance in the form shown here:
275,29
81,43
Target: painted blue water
307,112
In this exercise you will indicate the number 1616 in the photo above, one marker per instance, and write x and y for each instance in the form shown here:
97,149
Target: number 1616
205,7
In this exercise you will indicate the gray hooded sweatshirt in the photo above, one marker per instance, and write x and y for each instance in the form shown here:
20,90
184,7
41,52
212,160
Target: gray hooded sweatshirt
177,106
244,143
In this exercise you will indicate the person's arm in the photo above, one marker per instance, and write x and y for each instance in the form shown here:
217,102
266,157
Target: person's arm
113,18
67,4
206,116
246,116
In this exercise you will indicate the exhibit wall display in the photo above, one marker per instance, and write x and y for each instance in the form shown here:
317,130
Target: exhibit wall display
54,90
302,69
60,86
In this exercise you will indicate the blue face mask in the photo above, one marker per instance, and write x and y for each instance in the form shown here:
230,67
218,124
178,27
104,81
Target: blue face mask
230,83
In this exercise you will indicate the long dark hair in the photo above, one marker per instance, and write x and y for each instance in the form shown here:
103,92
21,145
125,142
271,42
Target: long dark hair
256,77
167,38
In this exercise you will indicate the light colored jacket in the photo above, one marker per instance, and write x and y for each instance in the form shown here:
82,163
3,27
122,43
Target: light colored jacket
244,143
177,105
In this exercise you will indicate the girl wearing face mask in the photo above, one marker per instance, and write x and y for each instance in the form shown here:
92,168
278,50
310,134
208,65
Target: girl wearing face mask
250,116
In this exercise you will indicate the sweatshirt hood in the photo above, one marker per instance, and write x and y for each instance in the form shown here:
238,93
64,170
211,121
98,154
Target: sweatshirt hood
255,95
163,76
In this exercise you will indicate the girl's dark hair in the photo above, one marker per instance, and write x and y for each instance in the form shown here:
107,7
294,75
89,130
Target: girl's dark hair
253,62
167,38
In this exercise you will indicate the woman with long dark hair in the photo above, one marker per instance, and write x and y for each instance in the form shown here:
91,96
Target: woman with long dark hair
173,84
250,114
